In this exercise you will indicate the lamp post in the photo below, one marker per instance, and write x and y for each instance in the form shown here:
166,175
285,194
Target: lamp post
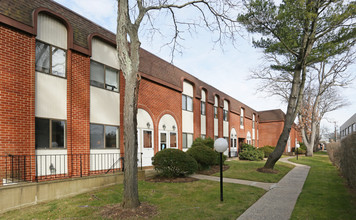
297,149
220,145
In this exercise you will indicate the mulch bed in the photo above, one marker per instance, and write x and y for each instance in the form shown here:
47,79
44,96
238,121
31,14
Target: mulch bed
144,211
265,170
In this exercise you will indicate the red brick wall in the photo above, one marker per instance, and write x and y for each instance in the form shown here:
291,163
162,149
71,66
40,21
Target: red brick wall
209,120
159,100
269,133
197,118
17,106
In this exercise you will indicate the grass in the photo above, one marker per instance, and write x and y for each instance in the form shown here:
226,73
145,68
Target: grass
246,170
324,195
194,200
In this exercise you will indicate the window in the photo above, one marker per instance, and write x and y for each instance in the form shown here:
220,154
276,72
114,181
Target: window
49,133
242,118
187,103
50,59
147,139
173,139
225,113
215,137
202,107
103,76
253,121
203,136
103,136
215,112
187,140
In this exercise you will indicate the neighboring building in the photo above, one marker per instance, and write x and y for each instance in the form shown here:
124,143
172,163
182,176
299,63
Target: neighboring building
348,127
271,127
61,96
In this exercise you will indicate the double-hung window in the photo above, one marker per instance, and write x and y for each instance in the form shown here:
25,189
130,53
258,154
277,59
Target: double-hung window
187,140
104,136
50,59
187,103
104,76
50,133
242,118
202,108
147,139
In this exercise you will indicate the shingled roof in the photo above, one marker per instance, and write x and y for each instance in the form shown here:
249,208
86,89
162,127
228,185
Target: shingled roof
271,115
152,67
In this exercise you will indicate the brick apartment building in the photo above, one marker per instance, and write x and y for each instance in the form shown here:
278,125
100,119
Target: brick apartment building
61,98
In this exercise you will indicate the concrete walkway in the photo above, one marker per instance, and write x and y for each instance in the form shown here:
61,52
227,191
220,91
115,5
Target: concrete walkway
279,201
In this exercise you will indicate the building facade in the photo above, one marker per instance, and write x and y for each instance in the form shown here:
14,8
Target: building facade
61,108
348,127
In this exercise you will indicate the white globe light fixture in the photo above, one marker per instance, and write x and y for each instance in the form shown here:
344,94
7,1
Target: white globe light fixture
220,145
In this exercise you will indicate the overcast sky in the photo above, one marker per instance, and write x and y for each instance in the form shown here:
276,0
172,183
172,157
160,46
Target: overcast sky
226,69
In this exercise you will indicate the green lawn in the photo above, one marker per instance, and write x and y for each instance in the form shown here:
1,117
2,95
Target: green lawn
324,194
195,200
246,170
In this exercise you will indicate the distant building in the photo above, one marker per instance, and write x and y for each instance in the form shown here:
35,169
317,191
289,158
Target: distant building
348,127
271,127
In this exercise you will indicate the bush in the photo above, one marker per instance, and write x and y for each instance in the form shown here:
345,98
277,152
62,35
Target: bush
252,155
204,156
267,150
334,152
303,146
249,152
348,162
174,163
300,151
208,142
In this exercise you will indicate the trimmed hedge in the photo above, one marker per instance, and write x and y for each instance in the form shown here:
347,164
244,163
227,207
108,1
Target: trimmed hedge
204,156
209,142
249,152
267,150
174,163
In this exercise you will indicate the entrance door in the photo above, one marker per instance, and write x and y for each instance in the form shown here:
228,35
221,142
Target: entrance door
163,140
241,141
145,147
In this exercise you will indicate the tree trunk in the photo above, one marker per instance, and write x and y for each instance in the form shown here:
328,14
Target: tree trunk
130,197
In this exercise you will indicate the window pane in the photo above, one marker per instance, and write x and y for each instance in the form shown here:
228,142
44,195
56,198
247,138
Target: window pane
111,79
41,133
184,137
96,136
173,139
58,129
110,136
225,115
42,57
189,103
189,140
184,102
147,139
215,112
58,62
203,108
96,74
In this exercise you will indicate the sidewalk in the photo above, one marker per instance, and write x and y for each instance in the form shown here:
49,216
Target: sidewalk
279,201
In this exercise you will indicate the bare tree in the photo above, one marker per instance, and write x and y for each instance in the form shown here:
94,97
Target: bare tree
214,15
321,93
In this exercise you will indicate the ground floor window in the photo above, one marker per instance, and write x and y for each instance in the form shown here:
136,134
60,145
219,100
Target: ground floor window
104,136
147,139
50,133
187,140
173,139
203,136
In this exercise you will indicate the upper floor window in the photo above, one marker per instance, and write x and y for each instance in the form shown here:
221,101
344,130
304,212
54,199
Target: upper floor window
104,76
242,118
187,103
49,133
253,121
215,112
202,107
225,115
50,59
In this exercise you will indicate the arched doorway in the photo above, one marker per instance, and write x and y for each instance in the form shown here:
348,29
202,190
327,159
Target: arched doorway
233,143
145,138
168,135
